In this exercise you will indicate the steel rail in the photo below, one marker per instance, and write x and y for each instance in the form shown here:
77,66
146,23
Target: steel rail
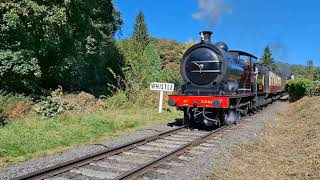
146,167
66,166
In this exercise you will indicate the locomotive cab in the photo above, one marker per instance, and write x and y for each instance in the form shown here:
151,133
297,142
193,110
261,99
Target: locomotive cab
250,75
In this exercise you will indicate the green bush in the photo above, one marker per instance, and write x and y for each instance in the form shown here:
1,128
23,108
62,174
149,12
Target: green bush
49,107
59,102
300,87
117,100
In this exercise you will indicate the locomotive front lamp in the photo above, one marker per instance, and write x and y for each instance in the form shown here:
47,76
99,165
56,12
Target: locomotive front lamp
172,102
217,104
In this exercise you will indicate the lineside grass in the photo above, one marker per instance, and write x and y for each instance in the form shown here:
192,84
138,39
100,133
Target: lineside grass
33,136
290,148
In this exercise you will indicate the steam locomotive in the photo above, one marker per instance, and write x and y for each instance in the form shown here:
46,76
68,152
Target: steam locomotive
220,85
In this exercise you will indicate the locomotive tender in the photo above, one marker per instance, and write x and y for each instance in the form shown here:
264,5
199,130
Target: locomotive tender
221,85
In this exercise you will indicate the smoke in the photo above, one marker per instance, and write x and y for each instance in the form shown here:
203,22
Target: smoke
280,53
278,49
210,11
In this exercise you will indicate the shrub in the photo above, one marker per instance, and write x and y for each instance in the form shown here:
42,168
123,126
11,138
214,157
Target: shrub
59,102
12,106
315,91
117,100
300,87
49,107
79,102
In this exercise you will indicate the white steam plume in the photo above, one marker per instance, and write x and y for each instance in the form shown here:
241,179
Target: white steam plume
210,11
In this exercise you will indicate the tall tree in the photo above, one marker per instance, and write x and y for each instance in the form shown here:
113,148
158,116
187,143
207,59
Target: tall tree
140,31
310,69
267,60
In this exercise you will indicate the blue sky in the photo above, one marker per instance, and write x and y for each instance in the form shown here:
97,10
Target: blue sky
291,28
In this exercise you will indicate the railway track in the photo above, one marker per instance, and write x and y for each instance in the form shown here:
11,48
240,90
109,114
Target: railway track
130,160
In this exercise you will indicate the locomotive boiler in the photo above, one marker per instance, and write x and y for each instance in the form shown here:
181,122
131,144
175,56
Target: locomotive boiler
210,69
220,85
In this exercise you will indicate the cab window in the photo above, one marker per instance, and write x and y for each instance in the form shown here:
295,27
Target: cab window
245,59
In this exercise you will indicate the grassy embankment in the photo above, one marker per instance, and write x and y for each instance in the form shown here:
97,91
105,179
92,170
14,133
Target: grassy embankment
290,148
31,135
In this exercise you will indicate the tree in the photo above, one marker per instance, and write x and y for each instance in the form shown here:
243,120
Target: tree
171,51
49,43
267,60
140,31
151,64
310,69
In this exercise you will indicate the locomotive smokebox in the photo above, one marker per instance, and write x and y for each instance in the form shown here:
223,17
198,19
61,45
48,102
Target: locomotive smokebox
205,37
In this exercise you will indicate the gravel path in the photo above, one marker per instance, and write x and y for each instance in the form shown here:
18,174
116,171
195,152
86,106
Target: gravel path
191,165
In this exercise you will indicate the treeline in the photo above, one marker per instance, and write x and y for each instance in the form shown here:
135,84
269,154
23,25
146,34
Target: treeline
308,70
45,45
49,43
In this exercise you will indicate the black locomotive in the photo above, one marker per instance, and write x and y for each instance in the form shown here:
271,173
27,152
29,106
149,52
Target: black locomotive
210,69
219,85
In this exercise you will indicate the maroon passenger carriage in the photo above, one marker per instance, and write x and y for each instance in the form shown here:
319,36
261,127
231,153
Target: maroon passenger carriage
219,85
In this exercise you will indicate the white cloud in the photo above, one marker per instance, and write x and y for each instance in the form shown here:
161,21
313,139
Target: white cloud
211,11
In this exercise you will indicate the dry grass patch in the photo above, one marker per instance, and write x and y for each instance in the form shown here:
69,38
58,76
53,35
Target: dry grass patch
290,148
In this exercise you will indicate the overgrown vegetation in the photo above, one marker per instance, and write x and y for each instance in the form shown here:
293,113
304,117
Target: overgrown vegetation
72,50
142,65
300,87
13,106
71,44
288,150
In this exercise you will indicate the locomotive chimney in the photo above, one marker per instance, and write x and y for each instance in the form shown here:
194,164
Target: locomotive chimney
205,37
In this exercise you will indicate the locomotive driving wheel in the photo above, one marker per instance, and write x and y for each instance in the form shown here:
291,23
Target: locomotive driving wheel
210,118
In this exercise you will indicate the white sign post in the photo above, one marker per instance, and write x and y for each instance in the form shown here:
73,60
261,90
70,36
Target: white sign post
161,87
